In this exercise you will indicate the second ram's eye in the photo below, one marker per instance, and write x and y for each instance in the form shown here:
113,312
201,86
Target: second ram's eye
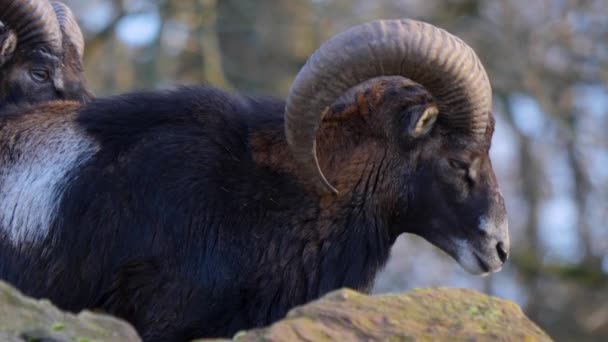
458,164
39,75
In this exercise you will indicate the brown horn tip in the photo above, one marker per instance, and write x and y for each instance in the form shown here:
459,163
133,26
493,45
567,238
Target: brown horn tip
310,171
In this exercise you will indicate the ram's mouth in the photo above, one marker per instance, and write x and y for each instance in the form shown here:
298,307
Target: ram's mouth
475,262
482,264
473,259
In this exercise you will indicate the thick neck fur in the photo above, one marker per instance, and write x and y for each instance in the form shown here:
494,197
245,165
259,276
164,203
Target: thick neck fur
345,239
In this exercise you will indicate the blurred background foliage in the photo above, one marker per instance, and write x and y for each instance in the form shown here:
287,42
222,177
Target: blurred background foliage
548,63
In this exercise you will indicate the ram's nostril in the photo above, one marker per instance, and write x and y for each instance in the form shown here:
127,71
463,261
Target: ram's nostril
503,254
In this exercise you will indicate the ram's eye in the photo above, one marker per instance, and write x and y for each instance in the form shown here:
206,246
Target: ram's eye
458,164
39,75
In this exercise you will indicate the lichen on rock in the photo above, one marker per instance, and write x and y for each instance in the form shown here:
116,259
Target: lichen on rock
439,314
421,315
25,319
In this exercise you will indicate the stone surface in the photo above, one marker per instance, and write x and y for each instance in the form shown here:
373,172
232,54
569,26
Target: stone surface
420,315
345,315
26,319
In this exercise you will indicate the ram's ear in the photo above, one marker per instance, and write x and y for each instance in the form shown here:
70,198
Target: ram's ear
8,44
422,121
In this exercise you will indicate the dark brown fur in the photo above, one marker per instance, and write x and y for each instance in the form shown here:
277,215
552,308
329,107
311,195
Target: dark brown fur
191,218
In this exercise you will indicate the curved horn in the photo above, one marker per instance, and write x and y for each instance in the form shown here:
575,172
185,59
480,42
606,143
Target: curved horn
34,22
69,26
441,62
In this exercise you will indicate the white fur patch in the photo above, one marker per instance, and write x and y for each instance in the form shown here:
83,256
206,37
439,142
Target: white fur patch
499,229
485,224
33,180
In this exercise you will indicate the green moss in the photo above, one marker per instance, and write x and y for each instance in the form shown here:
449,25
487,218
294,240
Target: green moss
23,318
58,327
422,315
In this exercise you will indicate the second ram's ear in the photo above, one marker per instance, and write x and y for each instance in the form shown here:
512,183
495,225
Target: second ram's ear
8,44
421,121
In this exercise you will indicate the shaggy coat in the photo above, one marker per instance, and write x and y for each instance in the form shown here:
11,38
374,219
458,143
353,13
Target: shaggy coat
183,212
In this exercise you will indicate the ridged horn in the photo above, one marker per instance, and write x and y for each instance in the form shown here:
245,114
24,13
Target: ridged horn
69,26
446,66
34,21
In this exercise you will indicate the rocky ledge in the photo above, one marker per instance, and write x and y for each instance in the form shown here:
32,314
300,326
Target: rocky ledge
344,315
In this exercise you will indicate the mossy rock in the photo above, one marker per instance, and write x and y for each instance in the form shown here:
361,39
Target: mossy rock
421,315
26,319
345,315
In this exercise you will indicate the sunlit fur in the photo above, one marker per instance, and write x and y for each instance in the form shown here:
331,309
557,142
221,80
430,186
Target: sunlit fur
186,216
